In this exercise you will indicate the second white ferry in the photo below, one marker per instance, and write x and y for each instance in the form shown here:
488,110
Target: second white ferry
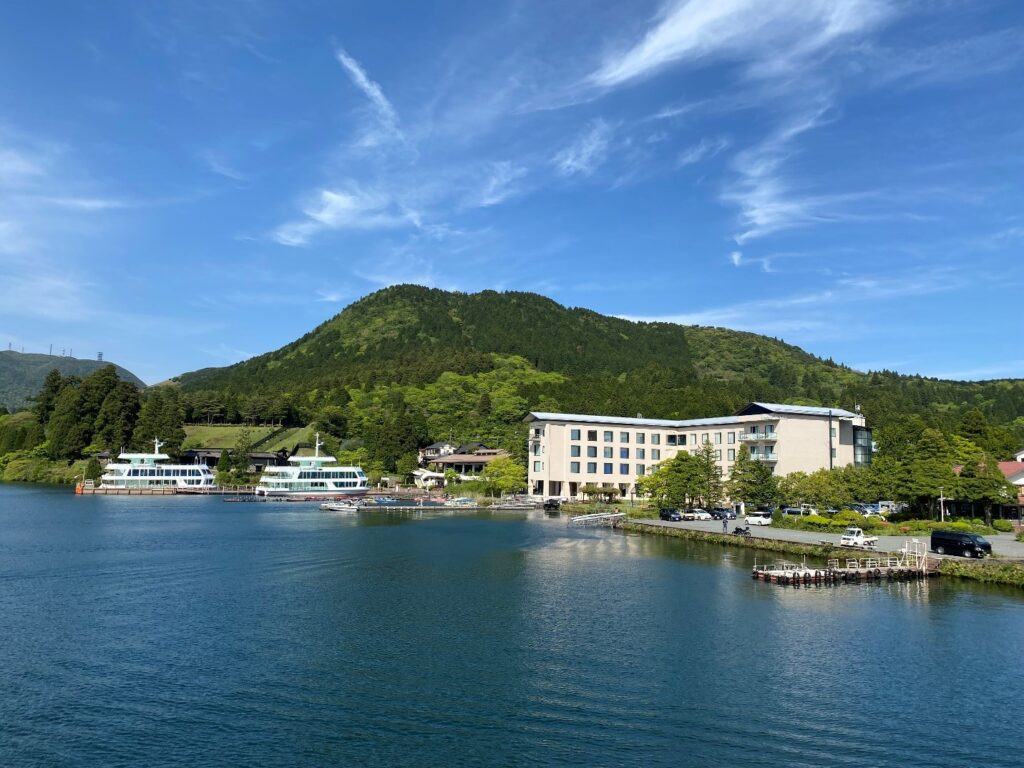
308,477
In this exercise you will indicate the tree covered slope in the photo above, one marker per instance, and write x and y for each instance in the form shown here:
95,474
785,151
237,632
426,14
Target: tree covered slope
22,375
410,335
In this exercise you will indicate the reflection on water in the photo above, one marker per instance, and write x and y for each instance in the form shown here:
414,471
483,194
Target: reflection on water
194,632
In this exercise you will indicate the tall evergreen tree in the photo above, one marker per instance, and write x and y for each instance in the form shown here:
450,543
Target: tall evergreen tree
46,400
150,421
752,482
116,419
65,431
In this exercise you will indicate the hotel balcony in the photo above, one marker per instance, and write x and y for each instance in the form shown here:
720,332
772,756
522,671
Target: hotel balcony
761,456
753,437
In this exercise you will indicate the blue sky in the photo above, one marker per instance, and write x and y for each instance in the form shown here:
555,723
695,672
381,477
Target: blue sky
187,184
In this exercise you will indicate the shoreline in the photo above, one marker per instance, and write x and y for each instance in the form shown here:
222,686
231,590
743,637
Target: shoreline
990,571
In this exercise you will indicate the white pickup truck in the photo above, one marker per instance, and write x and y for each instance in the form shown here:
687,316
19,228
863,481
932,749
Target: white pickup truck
854,537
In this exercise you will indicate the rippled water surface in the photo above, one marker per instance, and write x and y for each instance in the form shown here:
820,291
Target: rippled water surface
178,631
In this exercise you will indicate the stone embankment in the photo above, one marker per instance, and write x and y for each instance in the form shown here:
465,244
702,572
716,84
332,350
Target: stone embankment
1007,567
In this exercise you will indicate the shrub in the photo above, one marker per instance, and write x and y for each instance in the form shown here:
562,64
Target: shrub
1003,526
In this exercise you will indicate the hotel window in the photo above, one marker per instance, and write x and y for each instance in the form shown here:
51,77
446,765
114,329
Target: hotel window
671,439
609,468
718,454
718,438
538,466
731,455
608,436
833,431
574,434
623,453
753,429
731,439
536,449
682,439
656,454
623,469
655,439
769,430
592,467
640,438
608,451
591,451
640,470
833,453
641,453
704,438
574,450
592,435
574,467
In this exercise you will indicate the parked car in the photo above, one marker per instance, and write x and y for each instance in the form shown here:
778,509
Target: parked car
699,514
956,543
670,514
723,513
792,511
759,518
855,537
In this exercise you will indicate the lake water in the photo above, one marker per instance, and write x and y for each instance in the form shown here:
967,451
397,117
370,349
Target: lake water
180,631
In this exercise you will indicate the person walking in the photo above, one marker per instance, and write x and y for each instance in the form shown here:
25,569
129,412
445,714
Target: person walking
725,523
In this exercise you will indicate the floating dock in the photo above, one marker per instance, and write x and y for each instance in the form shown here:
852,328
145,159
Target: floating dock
83,489
909,564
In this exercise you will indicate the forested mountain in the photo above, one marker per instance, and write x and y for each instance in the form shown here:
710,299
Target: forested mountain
409,335
21,375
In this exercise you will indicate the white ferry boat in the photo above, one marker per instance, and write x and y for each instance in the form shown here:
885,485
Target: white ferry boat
309,477
144,470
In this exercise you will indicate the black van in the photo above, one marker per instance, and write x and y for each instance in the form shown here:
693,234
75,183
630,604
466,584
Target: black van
966,544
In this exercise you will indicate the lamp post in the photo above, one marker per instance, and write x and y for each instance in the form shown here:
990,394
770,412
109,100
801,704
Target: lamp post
942,507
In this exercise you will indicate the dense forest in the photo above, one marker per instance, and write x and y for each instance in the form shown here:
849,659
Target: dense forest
22,374
408,365
434,354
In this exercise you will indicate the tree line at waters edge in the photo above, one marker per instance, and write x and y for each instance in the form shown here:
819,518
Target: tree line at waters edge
381,425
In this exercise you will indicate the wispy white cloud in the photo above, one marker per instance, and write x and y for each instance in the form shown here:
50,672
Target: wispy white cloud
704,149
215,163
347,208
736,258
385,125
499,185
587,152
770,37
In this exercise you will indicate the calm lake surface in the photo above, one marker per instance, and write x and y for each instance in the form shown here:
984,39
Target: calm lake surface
179,631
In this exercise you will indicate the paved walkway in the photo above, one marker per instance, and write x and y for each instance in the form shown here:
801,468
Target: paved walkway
1003,544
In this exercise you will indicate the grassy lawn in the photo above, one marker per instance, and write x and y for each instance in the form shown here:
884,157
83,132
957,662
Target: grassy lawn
220,435
287,440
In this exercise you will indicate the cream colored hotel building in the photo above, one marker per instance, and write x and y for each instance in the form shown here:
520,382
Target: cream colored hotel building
568,451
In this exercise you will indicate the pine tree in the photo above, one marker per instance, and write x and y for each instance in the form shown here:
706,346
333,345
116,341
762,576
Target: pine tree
46,400
65,431
116,419
150,421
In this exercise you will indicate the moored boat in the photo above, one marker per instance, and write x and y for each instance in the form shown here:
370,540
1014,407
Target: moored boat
148,471
312,477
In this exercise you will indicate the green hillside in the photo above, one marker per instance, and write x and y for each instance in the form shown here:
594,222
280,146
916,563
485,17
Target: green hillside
410,335
21,375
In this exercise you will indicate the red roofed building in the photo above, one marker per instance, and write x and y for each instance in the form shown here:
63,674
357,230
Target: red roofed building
1014,472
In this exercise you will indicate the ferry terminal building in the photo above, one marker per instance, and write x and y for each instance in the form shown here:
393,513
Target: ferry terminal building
568,451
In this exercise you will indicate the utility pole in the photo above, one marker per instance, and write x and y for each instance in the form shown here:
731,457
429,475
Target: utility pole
942,507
